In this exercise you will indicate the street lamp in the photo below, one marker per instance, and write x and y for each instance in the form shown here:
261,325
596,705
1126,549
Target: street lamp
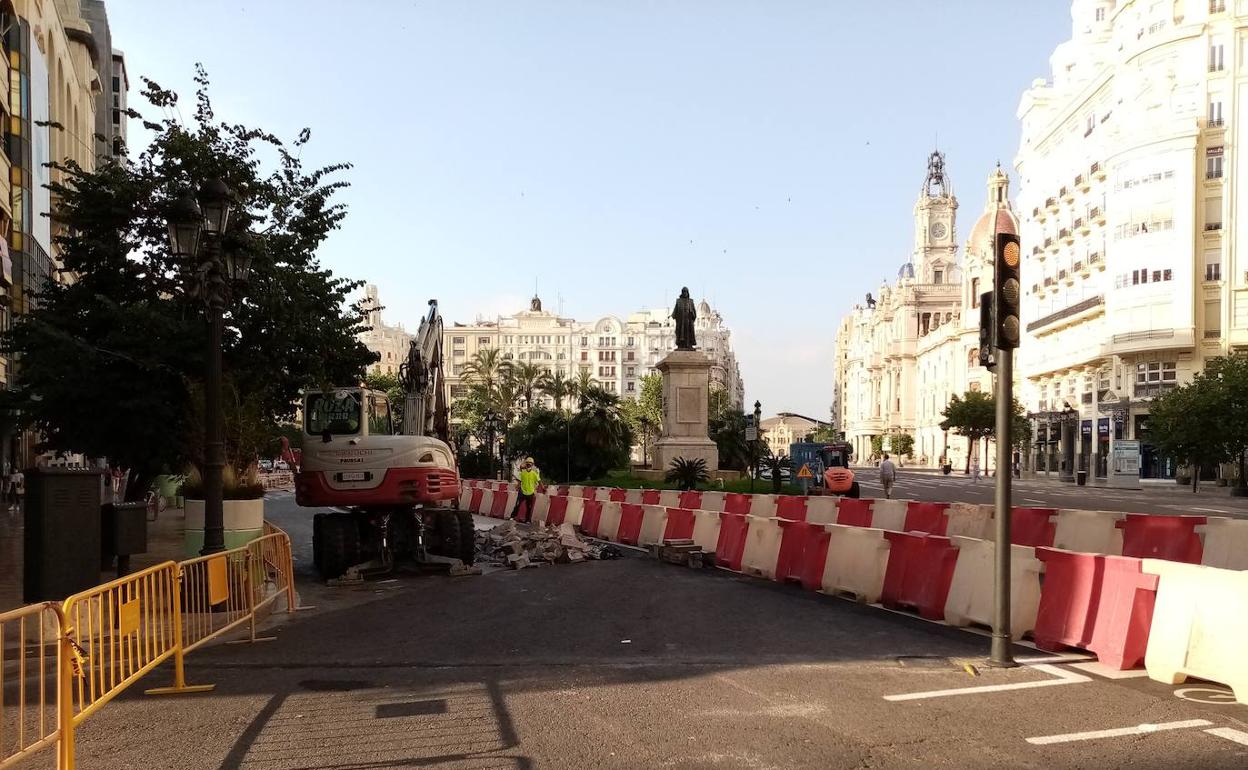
758,415
197,237
492,423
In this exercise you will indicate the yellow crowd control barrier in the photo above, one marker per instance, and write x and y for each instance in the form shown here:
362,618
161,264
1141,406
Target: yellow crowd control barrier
30,665
66,662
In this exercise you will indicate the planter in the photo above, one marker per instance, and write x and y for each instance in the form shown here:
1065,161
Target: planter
243,520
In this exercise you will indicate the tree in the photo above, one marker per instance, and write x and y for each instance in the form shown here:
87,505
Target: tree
485,368
777,464
602,434
687,474
558,387
825,434
645,413
109,361
902,444
1232,373
728,432
584,383
389,384
529,379
973,416
1203,422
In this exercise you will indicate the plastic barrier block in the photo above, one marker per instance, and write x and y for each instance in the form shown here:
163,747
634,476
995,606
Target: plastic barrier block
738,502
574,490
606,494
591,515
969,520
733,528
855,513
625,496
650,497
926,517
486,502
920,570
1173,538
971,591
609,520
762,547
815,557
706,530
575,511
1226,543
562,490
821,509
589,493
653,525
670,498
1200,623
465,498
791,507
557,510
889,514
474,502
541,505
1095,602
503,504
795,544
629,530
679,524
690,499
1088,531
1032,526
763,506
856,562
711,501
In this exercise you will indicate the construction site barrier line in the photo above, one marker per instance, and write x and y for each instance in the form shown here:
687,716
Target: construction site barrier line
33,733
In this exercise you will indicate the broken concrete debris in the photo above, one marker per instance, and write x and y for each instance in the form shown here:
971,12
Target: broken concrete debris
520,547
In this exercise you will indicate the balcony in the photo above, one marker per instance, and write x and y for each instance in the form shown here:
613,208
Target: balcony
1213,173
1048,281
1098,172
1154,389
1083,183
1066,277
1213,227
1095,259
1076,312
1083,269
1215,123
1066,236
1213,272
1097,214
1051,205
1083,226
1217,6
1067,194
1039,214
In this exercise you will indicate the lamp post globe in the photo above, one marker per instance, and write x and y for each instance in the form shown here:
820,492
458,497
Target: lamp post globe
185,222
216,201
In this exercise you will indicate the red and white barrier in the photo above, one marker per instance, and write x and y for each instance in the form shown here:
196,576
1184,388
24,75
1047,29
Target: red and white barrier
791,507
465,497
608,519
762,547
926,517
969,520
706,530
654,525
889,514
920,571
733,531
1173,538
1088,531
763,506
798,545
709,501
484,502
821,509
591,517
692,499
679,524
574,512
628,531
971,591
738,502
541,506
670,498
856,562
855,512
1033,526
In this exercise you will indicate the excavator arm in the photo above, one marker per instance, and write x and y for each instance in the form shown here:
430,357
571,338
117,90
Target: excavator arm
421,377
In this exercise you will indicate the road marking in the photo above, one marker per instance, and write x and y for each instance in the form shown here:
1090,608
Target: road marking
1231,734
1063,677
1119,732
1102,670
1213,696
1032,500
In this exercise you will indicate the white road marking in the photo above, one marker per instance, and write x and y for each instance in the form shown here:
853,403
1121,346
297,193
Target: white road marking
1033,500
1119,732
1231,734
1102,670
1063,677
1186,508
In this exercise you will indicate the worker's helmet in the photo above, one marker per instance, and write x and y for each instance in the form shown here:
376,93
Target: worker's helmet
528,460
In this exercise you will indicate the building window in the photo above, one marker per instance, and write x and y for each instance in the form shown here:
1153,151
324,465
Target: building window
1215,113
938,276
483,341
1213,166
631,387
1217,6
1100,14
457,340
1165,371
631,342
584,342
1216,58
1213,272
584,355
458,353
457,369
974,292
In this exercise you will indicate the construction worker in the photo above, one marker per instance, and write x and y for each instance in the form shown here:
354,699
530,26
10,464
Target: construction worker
529,478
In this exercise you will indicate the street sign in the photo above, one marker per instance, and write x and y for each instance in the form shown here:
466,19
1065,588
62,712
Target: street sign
805,473
751,430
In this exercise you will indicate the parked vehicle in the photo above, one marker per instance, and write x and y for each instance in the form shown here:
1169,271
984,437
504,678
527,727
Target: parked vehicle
281,465
266,465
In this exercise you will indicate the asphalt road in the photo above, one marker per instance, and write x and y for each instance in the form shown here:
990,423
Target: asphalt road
1163,498
631,663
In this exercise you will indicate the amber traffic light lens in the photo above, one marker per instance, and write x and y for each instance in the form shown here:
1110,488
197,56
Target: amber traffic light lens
1011,254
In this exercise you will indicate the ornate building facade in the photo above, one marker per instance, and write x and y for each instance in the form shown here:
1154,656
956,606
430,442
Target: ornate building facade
390,343
901,357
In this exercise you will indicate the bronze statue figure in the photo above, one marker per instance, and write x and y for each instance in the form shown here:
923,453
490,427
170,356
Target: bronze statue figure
685,314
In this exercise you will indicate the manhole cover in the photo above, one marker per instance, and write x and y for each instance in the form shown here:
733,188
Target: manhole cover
924,661
334,685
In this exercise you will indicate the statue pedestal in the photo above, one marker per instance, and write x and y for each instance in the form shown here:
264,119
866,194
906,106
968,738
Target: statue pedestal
686,409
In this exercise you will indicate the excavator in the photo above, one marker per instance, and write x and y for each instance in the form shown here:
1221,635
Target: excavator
392,492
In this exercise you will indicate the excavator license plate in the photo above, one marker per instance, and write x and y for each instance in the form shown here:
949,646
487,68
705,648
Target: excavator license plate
354,476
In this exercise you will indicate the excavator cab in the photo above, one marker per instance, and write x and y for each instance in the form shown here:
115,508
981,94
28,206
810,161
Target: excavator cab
838,479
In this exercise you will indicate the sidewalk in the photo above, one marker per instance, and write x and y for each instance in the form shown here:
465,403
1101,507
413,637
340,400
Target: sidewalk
164,543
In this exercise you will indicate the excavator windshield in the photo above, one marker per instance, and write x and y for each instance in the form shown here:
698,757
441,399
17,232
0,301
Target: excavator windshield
339,411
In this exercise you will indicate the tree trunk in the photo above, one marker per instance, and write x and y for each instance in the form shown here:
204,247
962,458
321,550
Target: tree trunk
970,447
1242,482
1195,476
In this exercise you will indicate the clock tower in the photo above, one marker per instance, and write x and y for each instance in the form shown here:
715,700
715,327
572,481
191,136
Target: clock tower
935,218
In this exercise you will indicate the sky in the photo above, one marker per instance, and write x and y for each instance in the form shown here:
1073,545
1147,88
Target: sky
765,153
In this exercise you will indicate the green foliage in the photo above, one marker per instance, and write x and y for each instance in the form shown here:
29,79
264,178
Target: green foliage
474,463
902,444
1205,422
974,415
600,433
529,379
559,388
644,414
584,382
825,434
235,485
109,361
727,430
389,384
776,464
877,446
597,436
687,474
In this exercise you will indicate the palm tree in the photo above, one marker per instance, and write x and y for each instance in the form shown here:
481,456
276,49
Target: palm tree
584,383
559,387
602,420
485,368
506,394
529,378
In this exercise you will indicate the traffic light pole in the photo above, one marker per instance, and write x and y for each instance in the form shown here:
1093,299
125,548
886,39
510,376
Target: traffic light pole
1001,655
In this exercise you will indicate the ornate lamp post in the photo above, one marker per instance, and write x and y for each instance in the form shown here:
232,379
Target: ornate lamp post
758,415
197,232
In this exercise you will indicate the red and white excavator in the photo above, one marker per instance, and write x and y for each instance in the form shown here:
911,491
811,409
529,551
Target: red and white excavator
393,492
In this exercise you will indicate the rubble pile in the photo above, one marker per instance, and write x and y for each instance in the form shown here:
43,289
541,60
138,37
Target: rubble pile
519,547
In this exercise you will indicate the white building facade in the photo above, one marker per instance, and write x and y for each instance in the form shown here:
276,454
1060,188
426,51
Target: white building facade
390,343
1128,200
901,358
616,352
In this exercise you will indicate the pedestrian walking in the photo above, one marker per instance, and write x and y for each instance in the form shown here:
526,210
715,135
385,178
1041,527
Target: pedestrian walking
529,478
17,488
974,470
888,476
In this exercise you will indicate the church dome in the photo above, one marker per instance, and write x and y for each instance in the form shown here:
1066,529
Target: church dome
906,271
998,216
704,309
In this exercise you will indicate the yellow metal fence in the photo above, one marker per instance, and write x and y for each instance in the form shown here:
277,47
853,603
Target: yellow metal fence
61,663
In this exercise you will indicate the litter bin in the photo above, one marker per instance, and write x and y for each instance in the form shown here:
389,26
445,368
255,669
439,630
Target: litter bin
123,532
1081,478
62,542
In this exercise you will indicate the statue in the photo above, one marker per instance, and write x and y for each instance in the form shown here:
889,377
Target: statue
685,314
870,302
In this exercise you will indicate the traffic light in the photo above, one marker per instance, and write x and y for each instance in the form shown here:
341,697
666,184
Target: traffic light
985,330
1007,292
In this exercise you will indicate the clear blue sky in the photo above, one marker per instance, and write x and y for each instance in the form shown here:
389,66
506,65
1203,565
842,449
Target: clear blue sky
766,153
